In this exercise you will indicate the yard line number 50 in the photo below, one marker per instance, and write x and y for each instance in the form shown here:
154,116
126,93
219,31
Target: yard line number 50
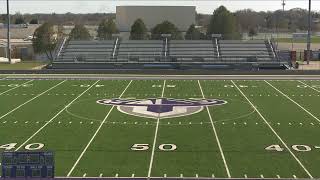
162,147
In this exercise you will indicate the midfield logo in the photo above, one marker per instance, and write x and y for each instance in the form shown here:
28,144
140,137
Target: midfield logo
161,107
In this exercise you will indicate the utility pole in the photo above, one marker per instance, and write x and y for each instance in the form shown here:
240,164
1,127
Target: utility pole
309,34
8,33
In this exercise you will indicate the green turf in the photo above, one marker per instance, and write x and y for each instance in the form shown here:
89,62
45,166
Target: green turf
291,108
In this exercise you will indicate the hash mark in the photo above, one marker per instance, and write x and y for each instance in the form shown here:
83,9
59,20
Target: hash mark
84,175
245,176
101,175
261,175
278,176
197,175
132,175
116,175
181,175
294,176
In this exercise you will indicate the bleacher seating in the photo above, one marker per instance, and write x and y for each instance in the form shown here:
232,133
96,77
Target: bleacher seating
140,50
169,53
87,51
237,50
192,50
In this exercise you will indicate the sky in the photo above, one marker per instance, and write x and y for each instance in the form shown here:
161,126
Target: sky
107,6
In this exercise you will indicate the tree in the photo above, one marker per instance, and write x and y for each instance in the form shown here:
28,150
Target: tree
19,20
34,21
44,41
165,27
194,33
252,32
223,22
138,30
106,29
79,32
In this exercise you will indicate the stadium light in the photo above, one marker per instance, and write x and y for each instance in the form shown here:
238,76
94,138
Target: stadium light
309,34
8,33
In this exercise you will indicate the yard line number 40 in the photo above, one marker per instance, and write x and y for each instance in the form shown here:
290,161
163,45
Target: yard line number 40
33,146
299,148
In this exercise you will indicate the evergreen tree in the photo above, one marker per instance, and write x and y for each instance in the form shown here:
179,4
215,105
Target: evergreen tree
138,30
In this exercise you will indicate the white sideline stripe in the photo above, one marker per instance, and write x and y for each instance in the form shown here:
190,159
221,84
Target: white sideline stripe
155,135
293,101
216,135
15,87
309,86
14,109
65,107
274,132
95,134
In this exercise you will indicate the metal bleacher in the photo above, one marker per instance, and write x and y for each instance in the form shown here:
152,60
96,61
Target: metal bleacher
167,54
192,50
86,51
140,51
236,50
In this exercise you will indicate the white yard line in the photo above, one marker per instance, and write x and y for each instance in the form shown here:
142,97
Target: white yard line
274,132
95,134
309,86
155,135
216,135
35,97
65,107
15,87
293,101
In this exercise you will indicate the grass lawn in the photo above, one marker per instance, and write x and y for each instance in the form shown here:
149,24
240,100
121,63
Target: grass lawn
263,128
21,65
314,39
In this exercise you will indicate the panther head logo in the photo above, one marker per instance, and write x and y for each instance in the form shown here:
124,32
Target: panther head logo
161,107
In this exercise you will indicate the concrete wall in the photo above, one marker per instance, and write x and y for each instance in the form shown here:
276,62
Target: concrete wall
181,16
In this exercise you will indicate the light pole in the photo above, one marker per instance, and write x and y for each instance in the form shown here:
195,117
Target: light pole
8,33
283,4
309,34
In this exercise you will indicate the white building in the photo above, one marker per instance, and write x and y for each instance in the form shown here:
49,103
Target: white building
181,16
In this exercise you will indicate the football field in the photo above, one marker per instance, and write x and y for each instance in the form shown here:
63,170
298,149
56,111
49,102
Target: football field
166,128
